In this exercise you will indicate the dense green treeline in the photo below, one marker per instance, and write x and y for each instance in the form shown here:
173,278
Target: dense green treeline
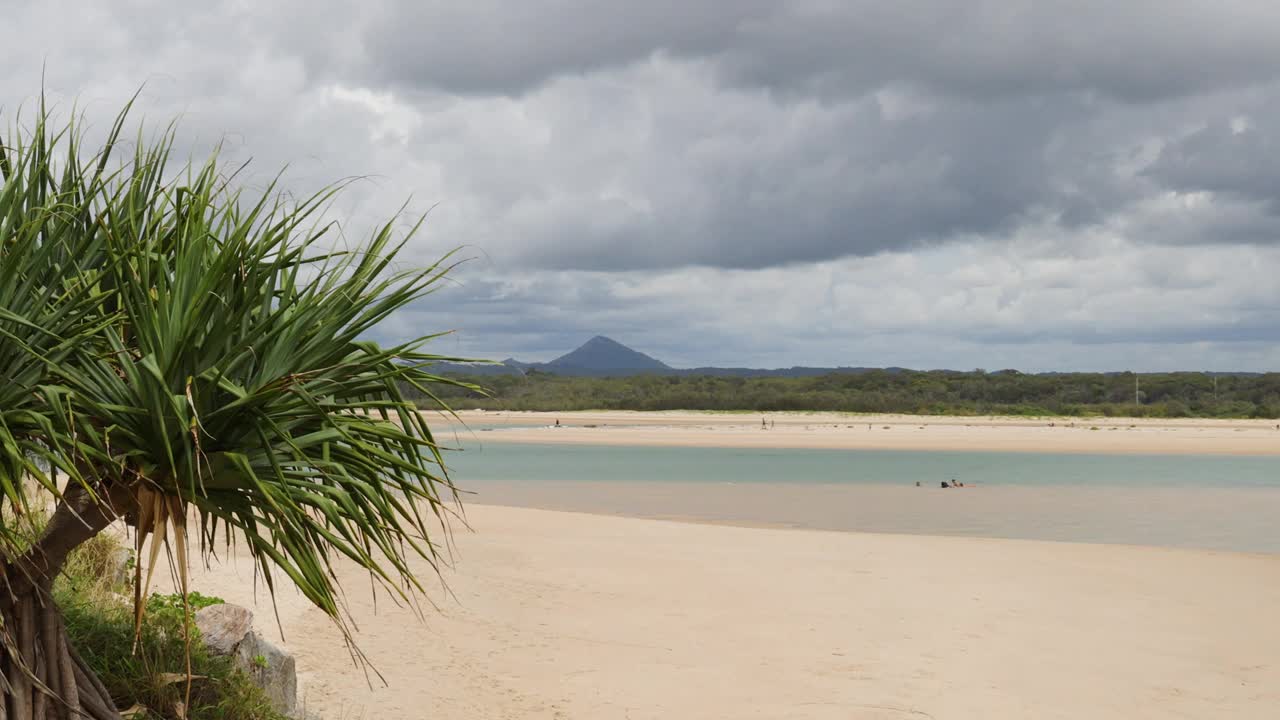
1006,392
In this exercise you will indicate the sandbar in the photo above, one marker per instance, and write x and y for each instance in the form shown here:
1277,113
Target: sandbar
879,432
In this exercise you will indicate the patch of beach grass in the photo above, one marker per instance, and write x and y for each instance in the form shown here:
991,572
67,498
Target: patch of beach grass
152,679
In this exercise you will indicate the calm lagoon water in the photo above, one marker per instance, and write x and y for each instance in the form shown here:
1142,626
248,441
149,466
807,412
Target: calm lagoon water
602,463
1209,502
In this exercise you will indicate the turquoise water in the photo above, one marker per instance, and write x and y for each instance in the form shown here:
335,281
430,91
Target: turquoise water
517,462
1204,502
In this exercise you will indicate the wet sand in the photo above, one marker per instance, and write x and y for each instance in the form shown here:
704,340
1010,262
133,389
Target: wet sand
883,432
1205,518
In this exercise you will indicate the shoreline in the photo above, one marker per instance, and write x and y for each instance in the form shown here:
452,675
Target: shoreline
1238,519
1192,436
747,524
640,417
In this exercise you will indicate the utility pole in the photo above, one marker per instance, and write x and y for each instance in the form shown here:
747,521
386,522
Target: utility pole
1136,397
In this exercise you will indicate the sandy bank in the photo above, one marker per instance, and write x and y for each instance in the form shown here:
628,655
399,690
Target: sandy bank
561,615
886,432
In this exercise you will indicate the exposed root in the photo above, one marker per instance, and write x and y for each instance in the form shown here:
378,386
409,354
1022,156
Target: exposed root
44,678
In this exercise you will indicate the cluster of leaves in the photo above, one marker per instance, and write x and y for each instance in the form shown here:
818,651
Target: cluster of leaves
173,603
163,332
898,391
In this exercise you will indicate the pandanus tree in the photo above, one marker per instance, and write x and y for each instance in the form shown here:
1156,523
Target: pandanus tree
195,363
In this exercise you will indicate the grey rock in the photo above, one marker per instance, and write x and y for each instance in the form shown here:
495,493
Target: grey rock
121,570
224,627
228,630
271,669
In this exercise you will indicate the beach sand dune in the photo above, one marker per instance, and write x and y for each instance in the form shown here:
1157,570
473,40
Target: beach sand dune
564,615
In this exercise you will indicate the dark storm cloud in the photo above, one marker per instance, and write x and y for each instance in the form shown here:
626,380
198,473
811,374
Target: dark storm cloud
596,135
751,182
1241,161
490,46
857,184
1136,50
1002,99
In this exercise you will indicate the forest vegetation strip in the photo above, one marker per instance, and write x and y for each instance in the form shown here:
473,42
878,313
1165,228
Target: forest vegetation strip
936,392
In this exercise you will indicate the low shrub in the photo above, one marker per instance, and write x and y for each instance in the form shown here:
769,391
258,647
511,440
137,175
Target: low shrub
152,679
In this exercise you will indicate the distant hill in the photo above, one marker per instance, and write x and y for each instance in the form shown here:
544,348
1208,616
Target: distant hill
600,354
604,357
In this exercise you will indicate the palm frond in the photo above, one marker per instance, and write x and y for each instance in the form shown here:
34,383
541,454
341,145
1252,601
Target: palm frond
51,302
211,350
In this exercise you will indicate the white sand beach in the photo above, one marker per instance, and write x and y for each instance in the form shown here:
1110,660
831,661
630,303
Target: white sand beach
886,432
574,616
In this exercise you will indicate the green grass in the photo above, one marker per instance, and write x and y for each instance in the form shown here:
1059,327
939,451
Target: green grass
100,626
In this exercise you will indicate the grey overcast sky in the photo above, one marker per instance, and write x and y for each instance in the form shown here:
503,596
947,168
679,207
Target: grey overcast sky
1089,185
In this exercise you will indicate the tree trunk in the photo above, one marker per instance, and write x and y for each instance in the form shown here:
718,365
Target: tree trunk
44,677
41,674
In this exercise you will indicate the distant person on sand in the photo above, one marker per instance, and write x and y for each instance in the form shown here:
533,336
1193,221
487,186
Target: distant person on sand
557,422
